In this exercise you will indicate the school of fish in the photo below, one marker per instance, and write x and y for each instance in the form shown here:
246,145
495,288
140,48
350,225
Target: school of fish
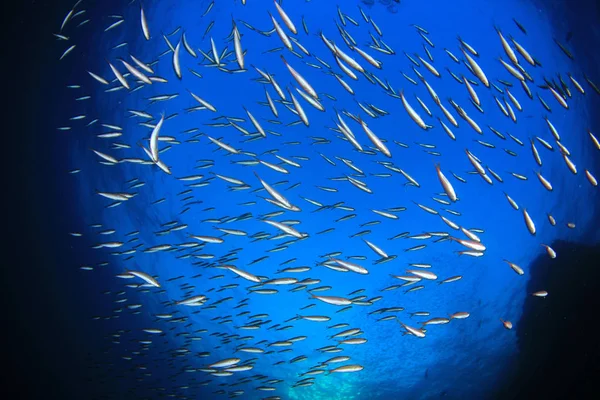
293,100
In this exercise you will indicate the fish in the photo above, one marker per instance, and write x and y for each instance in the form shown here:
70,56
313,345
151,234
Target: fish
119,76
471,244
145,29
507,324
282,35
446,184
202,221
460,315
347,368
423,274
540,293
337,301
510,53
515,267
176,62
114,25
239,53
228,362
286,19
413,114
413,331
591,178
243,274
147,278
545,183
521,28
564,49
301,81
512,202
67,51
436,321
529,222
451,279
375,140
477,69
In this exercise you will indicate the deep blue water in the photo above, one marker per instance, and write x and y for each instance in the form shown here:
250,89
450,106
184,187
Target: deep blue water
80,315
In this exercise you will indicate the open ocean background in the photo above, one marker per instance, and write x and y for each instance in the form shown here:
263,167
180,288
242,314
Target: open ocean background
63,319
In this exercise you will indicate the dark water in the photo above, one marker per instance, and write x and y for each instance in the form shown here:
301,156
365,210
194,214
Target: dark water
53,349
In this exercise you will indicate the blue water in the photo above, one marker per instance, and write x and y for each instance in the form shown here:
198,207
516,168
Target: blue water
464,359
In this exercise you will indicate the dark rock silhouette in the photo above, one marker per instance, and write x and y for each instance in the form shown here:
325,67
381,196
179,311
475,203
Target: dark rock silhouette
559,351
